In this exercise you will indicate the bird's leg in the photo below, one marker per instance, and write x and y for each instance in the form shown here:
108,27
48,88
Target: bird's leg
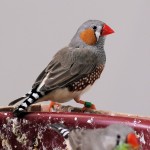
51,105
86,104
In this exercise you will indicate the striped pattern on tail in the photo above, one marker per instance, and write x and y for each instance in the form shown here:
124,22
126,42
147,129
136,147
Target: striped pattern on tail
32,97
61,129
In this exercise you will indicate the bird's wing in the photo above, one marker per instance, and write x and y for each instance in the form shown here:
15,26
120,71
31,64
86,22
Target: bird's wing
68,65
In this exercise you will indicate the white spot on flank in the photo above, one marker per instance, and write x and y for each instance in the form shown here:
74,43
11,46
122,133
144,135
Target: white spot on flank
35,95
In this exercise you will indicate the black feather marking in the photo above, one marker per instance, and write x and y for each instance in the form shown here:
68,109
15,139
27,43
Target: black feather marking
61,129
22,107
66,136
18,112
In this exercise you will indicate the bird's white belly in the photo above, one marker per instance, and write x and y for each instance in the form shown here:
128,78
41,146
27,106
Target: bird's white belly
63,95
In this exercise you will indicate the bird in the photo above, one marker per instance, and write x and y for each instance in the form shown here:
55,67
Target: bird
113,137
72,70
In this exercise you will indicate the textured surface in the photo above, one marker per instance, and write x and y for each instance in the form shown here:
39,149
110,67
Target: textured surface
33,132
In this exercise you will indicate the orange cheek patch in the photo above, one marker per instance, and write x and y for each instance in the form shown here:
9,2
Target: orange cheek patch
88,36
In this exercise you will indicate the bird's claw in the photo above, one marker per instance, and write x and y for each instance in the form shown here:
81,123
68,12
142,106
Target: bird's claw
52,105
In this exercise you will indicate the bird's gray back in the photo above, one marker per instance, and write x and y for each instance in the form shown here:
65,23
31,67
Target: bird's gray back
68,65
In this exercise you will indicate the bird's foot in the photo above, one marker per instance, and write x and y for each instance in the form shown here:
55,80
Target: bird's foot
52,104
87,105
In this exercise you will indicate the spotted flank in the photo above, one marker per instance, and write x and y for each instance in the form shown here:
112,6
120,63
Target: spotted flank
86,80
61,129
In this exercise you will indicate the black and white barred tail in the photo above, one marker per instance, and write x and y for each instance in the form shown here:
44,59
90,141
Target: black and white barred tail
61,129
29,99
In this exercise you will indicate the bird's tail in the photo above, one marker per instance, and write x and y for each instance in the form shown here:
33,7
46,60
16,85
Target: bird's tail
61,129
16,101
19,99
30,98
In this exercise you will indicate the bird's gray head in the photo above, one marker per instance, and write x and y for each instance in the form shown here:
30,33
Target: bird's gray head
123,136
91,34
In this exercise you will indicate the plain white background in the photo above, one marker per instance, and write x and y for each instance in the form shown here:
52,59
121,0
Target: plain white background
32,31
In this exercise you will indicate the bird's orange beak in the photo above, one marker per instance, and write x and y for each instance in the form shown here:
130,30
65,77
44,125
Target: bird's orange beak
106,30
133,141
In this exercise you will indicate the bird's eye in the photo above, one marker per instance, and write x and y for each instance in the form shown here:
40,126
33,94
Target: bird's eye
94,27
118,139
